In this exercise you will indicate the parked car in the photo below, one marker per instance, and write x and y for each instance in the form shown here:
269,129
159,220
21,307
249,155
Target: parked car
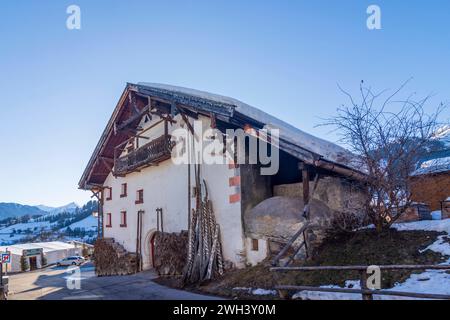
71,261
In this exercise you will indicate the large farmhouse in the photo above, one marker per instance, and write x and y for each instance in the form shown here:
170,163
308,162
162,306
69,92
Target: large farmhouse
145,186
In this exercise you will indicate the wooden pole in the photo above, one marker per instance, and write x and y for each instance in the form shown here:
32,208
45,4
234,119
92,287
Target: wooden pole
363,284
360,268
306,198
137,241
372,292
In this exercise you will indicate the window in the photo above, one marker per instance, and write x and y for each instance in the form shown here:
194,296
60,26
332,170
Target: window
108,193
139,196
123,219
108,220
123,191
255,245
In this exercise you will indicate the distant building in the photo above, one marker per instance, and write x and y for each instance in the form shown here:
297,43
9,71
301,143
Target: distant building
34,252
431,179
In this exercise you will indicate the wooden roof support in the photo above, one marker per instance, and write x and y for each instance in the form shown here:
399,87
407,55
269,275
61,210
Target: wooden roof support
129,121
108,162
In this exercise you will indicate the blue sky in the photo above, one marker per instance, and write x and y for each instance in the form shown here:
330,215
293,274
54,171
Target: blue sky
58,87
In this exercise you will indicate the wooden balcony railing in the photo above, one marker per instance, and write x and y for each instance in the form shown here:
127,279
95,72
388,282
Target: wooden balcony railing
152,153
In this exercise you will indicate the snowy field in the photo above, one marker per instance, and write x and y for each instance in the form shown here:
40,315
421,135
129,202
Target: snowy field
88,224
429,281
6,234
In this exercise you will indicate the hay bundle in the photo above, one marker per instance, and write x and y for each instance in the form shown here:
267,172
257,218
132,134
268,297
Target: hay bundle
170,252
111,258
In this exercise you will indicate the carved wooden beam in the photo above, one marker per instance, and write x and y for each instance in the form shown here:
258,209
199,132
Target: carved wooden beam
108,162
135,117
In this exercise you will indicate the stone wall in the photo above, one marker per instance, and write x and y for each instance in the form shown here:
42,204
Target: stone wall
337,193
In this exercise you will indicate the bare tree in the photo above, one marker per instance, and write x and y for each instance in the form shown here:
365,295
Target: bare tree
388,136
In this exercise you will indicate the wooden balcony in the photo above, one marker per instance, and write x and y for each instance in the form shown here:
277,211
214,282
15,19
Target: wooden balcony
152,153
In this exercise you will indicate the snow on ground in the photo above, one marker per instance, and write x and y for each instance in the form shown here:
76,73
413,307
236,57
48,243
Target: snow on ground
7,235
425,225
256,292
429,281
88,224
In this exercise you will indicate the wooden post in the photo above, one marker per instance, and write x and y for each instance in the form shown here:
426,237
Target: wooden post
138,242
363,283
306,198
305,183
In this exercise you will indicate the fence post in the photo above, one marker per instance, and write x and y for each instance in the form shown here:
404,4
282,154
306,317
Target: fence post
363,282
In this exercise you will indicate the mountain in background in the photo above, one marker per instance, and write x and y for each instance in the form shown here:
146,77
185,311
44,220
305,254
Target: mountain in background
68,222
45,208
70,208
12,210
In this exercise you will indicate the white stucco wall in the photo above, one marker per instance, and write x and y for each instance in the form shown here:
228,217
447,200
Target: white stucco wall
166,186
256,256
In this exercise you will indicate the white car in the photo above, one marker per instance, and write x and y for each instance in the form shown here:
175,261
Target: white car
71,261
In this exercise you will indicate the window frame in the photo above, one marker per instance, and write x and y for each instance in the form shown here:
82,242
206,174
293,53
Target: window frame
124,190
139,196
255,244
108,220
123,219
108,196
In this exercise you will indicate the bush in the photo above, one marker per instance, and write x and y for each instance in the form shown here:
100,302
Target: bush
24,264
43,260
345,222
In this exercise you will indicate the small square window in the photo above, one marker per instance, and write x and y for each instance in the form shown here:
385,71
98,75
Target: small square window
123,219
139,196
123,191
255,245
108,193
108,220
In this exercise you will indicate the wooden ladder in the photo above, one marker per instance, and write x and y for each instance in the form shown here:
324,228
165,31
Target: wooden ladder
302,231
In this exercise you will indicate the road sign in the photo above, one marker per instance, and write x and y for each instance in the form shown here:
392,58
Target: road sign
6,257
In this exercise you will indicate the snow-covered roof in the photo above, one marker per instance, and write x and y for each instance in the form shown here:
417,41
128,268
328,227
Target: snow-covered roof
303,146
45,246
437,165
295,137
443,135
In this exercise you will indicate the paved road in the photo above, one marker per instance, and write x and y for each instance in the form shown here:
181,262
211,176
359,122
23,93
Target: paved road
57,283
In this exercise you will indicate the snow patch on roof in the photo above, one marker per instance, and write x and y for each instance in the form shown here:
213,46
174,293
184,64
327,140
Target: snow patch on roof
327,150
45,246
443,135
433,166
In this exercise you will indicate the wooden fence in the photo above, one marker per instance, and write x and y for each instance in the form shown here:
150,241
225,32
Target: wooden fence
367,294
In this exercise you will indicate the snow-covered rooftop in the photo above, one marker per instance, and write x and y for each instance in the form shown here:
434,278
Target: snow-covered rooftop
327,150
443,135
46,246
437,165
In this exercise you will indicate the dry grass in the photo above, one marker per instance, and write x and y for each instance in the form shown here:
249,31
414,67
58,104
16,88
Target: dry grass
364,247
